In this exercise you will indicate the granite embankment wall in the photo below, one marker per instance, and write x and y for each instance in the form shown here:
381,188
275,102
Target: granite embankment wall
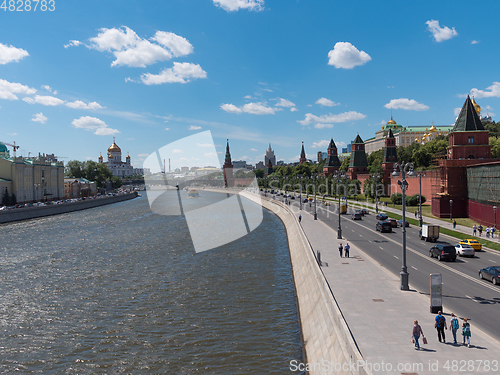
325,334
55,209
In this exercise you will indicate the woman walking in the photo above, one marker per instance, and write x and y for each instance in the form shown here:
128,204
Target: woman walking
417,331
466,331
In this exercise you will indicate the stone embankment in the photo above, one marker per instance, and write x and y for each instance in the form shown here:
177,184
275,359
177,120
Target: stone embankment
27,213
325,334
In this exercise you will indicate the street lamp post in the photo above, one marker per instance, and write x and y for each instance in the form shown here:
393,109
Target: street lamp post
420,221
315,213
339,177
451,209
406,169
495,212
300,191
376,176
284,181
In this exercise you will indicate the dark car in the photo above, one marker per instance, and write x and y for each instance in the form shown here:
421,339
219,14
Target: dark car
393,222
443,252
292,197
491,273
381,216
359,212
383,226
305,200
364,211
400,223
356,216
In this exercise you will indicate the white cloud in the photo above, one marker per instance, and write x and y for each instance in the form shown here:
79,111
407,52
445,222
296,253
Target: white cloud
456,111
177,44
11,53
78,104
204,145
73,43
440,34
44,100
321,144
47,87
406,104
341,117
340,144
114,39
323,126
179,73
253,149
167,128
293,109
142,54
284,103
234,5
94,124
344,55
9,89
13,134
474,42
326,102
177,151
194,127
143,155
253,108
494,91
39,117
248,97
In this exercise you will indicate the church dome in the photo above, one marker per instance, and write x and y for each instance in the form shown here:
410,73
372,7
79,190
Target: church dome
3,148
477,107
114,148
391,122
432,129
128,156
416,140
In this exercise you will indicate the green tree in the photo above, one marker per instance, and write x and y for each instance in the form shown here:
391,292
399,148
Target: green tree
6,198
495,147
375,160
493,128
259,173
344,166
74,169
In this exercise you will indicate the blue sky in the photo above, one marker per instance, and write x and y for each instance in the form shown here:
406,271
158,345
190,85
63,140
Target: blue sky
256,72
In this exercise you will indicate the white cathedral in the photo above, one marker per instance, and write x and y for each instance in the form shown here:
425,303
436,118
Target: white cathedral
115,164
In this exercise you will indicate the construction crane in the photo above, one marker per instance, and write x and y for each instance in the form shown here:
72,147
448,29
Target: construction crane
14,147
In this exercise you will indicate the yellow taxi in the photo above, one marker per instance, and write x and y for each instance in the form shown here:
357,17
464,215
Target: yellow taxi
476,245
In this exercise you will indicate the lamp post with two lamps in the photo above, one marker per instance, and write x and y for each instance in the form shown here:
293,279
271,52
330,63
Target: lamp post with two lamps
339,176
406,169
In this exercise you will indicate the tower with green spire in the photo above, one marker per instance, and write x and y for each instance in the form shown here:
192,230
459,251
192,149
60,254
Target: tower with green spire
358,163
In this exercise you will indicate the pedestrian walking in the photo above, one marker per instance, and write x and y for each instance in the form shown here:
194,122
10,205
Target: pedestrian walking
493,230
480,229
440,325
415,214
340,249
454,224
466,331
417,331
300,218
346,250
474,228
454,325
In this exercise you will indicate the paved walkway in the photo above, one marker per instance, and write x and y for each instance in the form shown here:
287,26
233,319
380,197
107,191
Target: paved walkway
381,316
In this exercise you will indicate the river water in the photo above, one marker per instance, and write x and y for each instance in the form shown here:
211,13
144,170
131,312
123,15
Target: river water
120,290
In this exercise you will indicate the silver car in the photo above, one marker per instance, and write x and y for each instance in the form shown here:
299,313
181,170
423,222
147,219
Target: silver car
465,250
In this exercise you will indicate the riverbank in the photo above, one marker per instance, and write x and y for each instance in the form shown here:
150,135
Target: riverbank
28,213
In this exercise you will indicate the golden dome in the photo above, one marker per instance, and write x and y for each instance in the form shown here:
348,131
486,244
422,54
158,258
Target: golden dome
416,140
391,122
128,156
114,148
476,106
433,129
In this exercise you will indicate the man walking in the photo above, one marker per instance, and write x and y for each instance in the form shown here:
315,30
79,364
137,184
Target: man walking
440,325
474,229
340,250
300,218
346,250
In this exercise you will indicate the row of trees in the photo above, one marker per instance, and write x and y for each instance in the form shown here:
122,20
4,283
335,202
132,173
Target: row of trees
92,171
8,199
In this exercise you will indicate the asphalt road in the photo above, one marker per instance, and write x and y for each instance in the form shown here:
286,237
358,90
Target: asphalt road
463,292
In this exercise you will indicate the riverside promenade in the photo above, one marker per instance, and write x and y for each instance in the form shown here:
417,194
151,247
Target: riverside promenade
380,316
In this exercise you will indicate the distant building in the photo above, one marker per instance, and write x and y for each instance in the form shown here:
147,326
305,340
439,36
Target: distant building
79,187
280,162
184,169
115,164
270,157
260,165
239,164
322,155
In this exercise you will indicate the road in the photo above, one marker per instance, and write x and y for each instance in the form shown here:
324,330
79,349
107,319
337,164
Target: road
463,292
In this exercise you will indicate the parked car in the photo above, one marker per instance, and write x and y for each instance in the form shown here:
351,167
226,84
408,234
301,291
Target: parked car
356,216
364,211
400,223
381,216
443,252
474,243
464,250
491,273
383,226
393,222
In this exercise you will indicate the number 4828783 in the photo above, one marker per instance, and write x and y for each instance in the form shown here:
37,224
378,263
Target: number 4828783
28,5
